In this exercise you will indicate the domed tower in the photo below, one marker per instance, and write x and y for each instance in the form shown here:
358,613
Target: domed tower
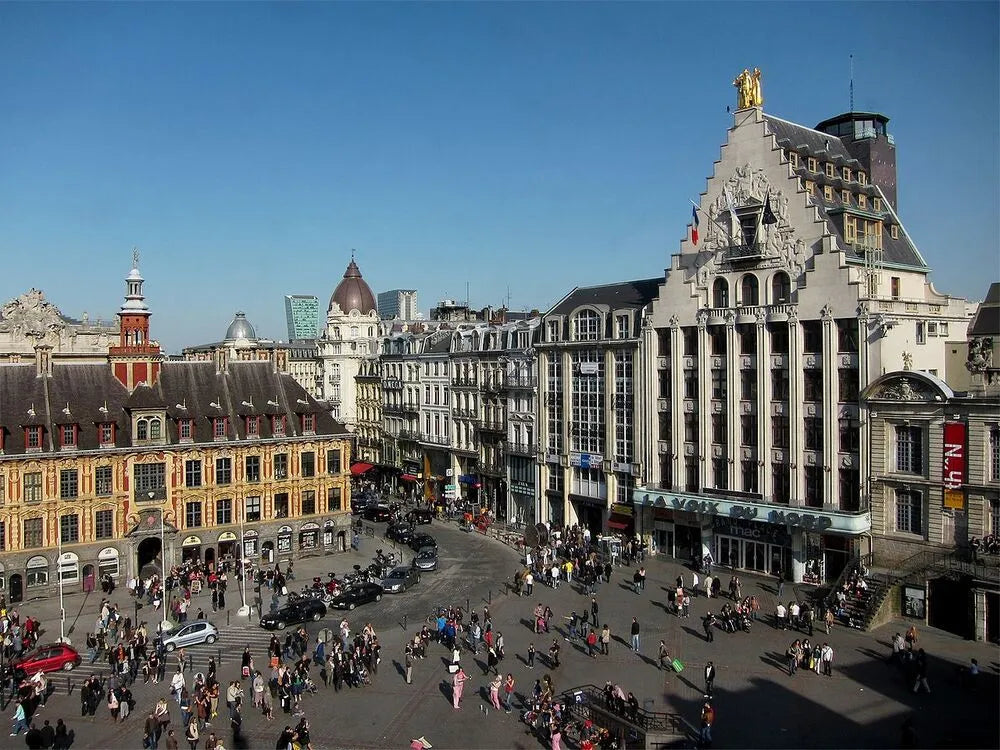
136,359
351,334
241,331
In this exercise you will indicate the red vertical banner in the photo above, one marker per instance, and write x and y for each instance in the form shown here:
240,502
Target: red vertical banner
954,465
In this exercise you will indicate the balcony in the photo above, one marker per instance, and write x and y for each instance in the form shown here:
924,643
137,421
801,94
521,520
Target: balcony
743,253
465,382
491,424
522,449
464,413
433,439
518,382
411,407
392,409
392,384
410,435
495,468
750,313
492,385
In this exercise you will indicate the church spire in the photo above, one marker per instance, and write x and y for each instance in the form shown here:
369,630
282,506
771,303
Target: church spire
135,359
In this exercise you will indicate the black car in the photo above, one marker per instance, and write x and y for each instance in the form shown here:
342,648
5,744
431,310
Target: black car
376,512
361,594
426,559
400,532
420,541
294,613
420,516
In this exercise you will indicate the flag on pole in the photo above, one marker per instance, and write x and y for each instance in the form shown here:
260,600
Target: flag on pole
694,225
769,217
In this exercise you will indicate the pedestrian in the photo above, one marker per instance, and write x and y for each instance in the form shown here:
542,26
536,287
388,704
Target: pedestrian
457,686
191,734
694,582
708,586
508,691
495,685
781,583
707,624
635,635
709,678
19,720
921,672
408,660
707,720
826,655
792,656
592,644
781,616
828,620
531,656
605,640
911,637
664,656
529,583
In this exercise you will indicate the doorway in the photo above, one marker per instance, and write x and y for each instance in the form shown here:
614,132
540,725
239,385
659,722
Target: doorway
209,556
16,588
948,606
663,539
755,556
267,553
88,578
149,558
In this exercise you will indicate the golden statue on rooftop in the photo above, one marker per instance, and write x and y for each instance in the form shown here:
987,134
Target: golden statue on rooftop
748,87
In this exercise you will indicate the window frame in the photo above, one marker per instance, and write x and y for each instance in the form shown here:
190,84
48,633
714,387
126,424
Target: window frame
193,516
906,520
69,484
223,470
104,520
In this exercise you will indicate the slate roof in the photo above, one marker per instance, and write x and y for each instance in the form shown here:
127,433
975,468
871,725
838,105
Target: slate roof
624,294
816,143
987,320
183,390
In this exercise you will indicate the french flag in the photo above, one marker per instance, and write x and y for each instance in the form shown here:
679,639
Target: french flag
694,225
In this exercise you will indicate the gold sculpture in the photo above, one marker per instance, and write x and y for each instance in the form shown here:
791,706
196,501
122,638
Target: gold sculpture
748,86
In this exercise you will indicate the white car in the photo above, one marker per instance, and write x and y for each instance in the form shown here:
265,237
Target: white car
199,631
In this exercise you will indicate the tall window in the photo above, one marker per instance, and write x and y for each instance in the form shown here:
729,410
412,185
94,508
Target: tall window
720,293
909,450
719,383
780,483
308,502
691,384
691,428
587,419
622,326
719,429
192,473
106,434
67,435
103,481
813,385
69,484
850,435
334,498
779,384
748,430
192,515
814,486
332,462
252,508
720,474
909,512
69,528
33,532
149,478
104,524
690,336
690,474
814,433
252,464
847,385
749,471
812,336
308,464
553,400
3,536
781,288
748,385
847,336
224,511
624,427
219,428
850,489
587,326
779,431
749,290
33,438
32,482
589,482
223,470
281,466
779,338
995,454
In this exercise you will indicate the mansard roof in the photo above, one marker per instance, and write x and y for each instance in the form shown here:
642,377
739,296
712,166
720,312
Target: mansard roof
987,319
618,296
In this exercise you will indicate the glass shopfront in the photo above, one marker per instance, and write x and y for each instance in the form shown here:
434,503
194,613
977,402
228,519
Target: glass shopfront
756,547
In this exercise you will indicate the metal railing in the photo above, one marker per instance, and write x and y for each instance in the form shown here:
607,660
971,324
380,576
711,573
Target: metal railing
520,381
588,698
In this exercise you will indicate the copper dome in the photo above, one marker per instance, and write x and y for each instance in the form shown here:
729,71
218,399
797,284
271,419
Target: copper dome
353,293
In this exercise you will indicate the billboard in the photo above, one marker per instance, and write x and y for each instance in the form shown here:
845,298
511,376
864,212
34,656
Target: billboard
954,465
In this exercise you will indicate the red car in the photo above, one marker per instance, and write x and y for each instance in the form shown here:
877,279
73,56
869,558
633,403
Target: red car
50,658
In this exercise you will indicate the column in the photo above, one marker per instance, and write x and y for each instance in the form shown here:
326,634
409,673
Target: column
795,387
763,407
704,401
830,413
677,401
732,405
645,411
798,556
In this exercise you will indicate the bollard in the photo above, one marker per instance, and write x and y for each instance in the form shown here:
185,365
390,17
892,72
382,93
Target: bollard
219,659
467,607
490,601
227,618
404,621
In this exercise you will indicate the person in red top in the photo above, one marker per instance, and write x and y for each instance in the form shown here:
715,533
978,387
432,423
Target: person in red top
508,691
707,720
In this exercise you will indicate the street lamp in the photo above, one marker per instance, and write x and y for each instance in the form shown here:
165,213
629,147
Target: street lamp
62,610
165,625
244,610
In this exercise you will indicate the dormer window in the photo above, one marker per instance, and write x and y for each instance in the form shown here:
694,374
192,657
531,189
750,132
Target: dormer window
793,158
812,164
278,426
67,435
309,424
622,325
185,430
106,434
845,197
862,201
877,204
220,428
149,428
587,326
894,231
847,174
862,178
253,427
33,438
553,330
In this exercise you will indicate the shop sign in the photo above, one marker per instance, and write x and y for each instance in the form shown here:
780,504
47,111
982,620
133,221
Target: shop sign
586,460
522,488
954,464
782,518
740,527
621,509
621,468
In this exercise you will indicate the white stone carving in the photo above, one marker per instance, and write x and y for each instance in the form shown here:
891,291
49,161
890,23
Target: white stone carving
31,315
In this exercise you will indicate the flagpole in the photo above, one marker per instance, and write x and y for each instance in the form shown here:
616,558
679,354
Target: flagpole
714,221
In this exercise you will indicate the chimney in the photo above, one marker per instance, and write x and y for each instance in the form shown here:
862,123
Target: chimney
43,360
221,360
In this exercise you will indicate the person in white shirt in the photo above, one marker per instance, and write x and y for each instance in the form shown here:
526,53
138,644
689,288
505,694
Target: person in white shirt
177,685
826,655
793,613
780,614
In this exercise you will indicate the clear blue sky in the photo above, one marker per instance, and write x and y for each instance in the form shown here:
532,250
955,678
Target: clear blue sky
246,148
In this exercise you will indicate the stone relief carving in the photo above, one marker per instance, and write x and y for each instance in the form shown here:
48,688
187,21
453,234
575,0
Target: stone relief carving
31,315
904,389
907,361
980,354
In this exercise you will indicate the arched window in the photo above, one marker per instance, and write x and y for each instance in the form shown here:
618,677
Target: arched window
587,326
781,288
749,290
354,332
154,428
142,429
720,293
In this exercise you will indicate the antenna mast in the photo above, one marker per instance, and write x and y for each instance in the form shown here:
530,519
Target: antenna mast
852,84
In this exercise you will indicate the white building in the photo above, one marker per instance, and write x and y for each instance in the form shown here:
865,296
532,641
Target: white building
804,289
398,304
351,334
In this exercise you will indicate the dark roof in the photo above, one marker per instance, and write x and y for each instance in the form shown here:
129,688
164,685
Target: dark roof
816,143
987,319
80,393
353,292
617,296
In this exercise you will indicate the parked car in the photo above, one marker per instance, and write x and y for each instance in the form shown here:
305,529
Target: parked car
420,516
400,579
351,597
426,559
294,613
419,541
50,658
400,532
376,512
199,631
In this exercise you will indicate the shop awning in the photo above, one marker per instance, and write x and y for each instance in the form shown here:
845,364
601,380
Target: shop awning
468,479
360,468
408,477
617,525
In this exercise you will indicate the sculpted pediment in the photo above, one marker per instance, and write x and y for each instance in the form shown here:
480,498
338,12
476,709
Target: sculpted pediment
904,389
31,315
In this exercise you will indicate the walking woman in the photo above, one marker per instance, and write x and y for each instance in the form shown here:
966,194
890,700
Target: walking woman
191,734
495,692
457,686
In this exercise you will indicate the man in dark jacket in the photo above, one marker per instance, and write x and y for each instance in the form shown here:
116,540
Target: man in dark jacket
48,735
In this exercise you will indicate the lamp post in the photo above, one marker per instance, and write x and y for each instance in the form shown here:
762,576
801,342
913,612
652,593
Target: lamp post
244,610
62,610
165,625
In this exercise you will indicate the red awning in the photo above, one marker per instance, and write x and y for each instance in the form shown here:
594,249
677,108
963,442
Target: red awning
409,477
359,468
617,525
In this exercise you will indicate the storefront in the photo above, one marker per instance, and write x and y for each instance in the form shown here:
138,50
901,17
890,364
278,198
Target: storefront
308,537
285,541
589,512
227,545
251,544
108,562
622,519
809,545
522,495
191,549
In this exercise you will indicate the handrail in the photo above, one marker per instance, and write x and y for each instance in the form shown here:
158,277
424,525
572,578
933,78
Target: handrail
646,720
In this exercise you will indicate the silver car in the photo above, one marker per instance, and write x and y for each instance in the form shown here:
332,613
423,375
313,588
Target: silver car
199,631
399,579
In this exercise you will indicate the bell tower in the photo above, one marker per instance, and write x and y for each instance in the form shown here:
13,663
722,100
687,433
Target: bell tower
136,359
